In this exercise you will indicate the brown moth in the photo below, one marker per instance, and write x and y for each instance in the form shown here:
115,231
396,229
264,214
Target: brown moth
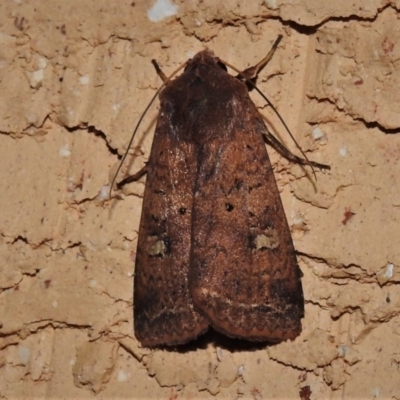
214,246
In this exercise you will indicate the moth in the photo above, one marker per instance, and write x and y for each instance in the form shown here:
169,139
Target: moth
214,246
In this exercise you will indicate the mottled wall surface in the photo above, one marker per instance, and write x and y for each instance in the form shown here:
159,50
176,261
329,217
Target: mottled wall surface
75,77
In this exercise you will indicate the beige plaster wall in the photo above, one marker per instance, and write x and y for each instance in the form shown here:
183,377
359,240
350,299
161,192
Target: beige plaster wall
75,77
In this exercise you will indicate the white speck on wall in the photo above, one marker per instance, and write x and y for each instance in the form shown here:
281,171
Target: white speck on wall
93,283
24,354
389,271
84,80
162,9
376,392
42,63
55,303
298,221
36,77
317,134
271,4
70,112
240,370
342,350
103,194
220,354
343,151
64,151
116,107
122,376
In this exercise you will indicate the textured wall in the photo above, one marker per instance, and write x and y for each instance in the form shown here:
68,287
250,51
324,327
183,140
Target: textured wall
75,77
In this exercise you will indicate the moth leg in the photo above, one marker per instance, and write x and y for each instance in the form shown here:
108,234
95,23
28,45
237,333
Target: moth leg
249,75
280,148
132,178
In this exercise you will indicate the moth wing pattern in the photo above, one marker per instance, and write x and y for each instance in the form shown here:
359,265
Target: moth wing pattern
163,309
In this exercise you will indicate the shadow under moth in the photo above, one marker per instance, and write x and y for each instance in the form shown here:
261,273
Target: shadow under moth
214,246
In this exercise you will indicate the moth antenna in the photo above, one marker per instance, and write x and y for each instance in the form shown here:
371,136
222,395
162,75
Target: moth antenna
165,81
159,71
252,72
249,75
132,137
